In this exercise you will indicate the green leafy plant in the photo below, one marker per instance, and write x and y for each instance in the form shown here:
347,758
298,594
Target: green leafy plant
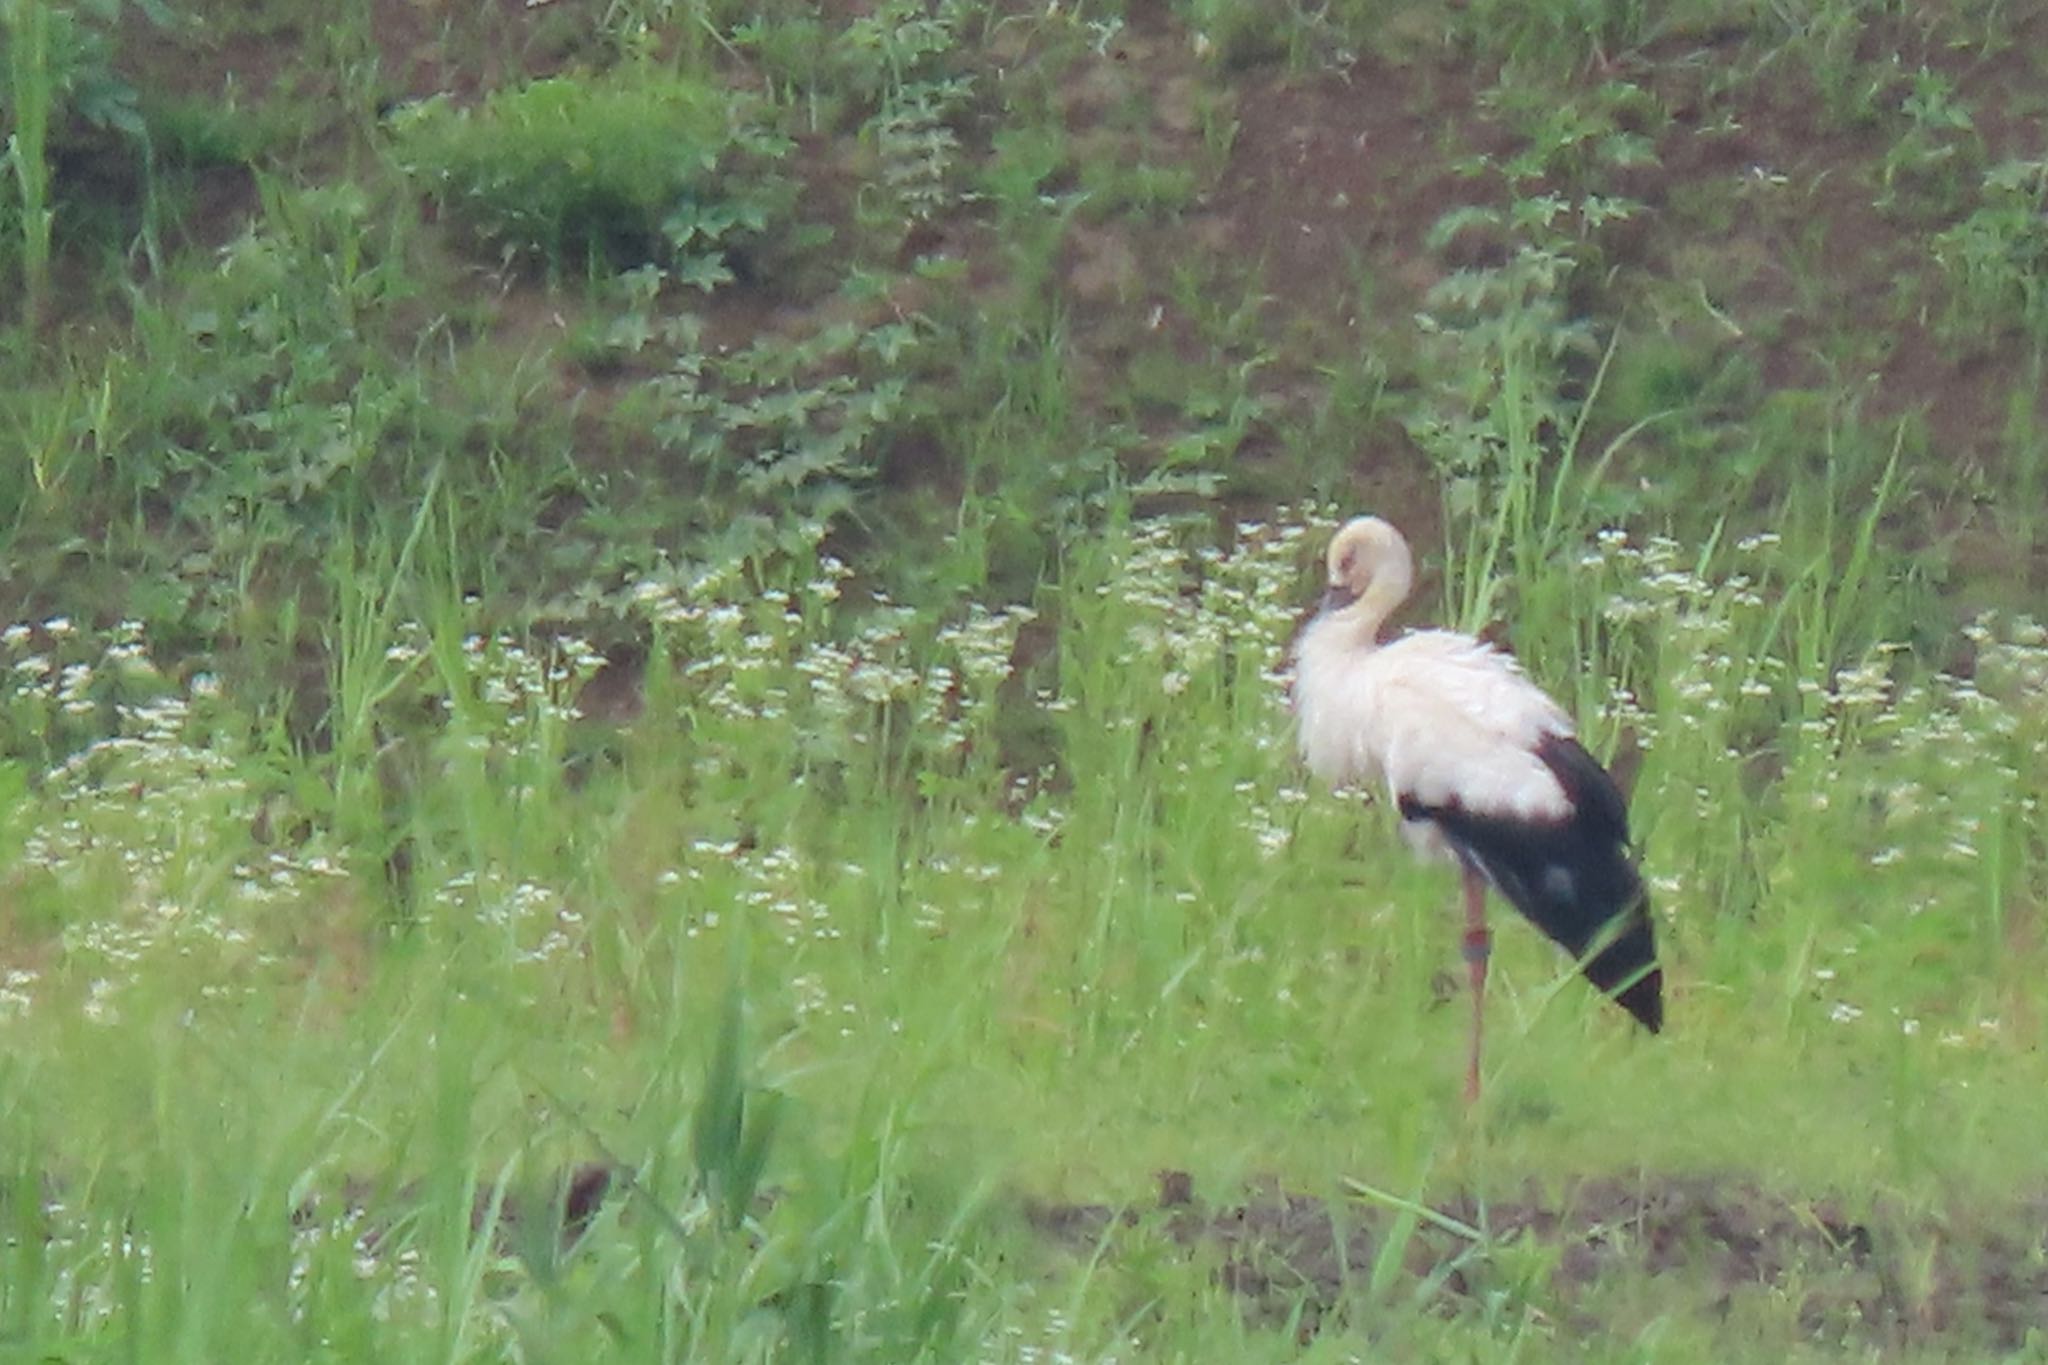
898,57
282,392
1923,171
791,427
1501,433
917,149
1996,260
1574,140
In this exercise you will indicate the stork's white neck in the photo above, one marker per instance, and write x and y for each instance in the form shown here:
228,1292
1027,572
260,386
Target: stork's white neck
1362,620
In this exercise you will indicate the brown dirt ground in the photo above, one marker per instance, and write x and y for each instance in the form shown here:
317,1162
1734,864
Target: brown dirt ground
1876,1281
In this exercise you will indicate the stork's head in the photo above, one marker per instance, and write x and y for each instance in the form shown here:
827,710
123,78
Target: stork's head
1369,562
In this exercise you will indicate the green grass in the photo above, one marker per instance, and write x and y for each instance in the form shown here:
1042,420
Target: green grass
802,721
962,980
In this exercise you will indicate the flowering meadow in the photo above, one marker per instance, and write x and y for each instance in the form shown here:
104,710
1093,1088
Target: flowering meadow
946,908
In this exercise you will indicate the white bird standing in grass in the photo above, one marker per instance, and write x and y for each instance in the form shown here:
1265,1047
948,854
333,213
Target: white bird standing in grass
1484,769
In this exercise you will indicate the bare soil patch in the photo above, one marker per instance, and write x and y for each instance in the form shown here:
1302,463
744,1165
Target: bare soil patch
1339,172
1879,1280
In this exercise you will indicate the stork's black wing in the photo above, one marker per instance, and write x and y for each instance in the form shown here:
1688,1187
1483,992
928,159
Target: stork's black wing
1573,878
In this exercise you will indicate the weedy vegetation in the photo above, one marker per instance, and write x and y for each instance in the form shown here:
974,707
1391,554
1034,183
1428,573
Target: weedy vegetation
644,715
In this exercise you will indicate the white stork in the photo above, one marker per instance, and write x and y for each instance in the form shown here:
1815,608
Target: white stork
1484,769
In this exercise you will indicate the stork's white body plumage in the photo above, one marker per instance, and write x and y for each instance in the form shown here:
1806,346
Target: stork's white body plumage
1434,715
1484,768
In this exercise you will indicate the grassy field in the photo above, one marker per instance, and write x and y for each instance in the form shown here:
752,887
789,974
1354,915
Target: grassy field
646,709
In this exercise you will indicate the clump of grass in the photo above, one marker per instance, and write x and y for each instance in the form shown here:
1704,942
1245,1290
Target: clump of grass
1996,260
33,87
57,71
633,166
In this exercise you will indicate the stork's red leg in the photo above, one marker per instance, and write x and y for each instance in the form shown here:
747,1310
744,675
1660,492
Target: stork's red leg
1478,943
